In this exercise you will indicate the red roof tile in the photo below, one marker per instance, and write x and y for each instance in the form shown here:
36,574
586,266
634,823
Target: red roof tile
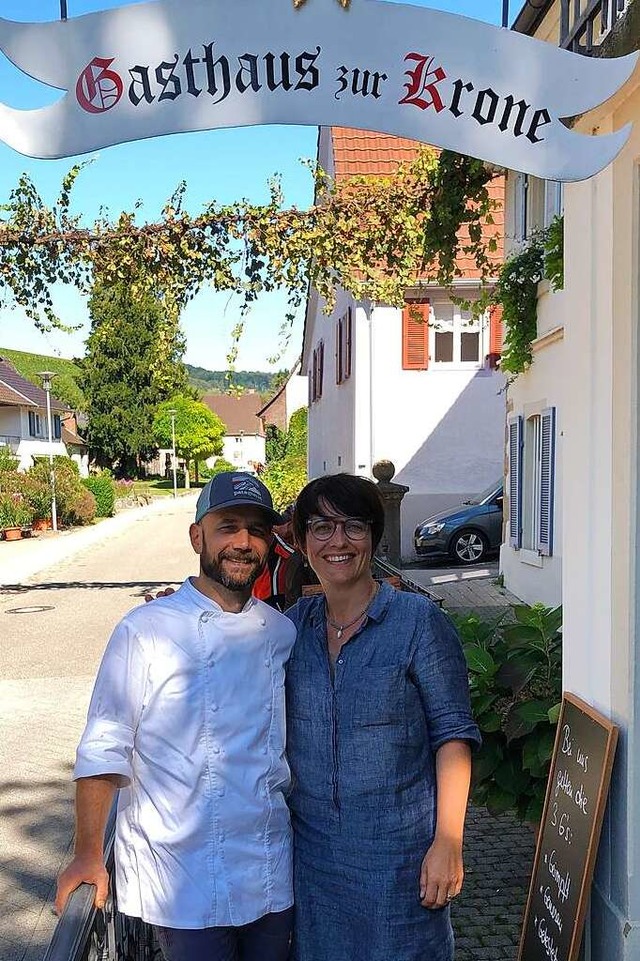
362,153
238,414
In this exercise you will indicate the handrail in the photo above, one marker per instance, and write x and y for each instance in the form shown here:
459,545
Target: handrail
80,922
384,569
578,26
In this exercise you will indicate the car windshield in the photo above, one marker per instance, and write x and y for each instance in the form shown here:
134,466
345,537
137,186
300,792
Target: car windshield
486,494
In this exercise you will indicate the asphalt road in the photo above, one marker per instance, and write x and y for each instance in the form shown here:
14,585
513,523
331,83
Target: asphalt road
53,630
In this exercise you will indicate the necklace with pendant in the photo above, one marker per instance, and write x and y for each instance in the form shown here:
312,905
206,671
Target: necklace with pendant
341,628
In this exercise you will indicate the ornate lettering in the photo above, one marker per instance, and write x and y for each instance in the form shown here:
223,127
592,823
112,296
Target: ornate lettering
140,87
423,82
99,89
285,80
217,72
168,80
307,70
247,75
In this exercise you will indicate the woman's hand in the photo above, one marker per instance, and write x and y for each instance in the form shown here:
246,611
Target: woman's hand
441,873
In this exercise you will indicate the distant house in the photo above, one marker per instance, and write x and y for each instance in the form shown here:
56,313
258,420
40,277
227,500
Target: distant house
290,396
23,422
417,386
244,440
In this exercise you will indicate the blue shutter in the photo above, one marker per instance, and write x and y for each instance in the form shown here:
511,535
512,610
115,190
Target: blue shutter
32,424
57,426
515,481
547,480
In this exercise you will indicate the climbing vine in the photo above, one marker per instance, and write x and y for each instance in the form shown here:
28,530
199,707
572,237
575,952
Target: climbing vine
373,236
517,291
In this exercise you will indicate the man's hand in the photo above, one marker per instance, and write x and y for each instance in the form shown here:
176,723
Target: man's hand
167,592
441,873
82,870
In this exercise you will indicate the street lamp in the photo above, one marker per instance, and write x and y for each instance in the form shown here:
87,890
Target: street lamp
47,377
172,414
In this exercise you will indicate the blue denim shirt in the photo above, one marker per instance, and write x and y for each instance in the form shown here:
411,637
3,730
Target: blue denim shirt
362,752
400,692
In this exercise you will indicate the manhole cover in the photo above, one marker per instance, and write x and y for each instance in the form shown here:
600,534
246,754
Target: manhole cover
33,609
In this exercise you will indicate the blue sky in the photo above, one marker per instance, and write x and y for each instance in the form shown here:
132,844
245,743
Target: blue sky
225,165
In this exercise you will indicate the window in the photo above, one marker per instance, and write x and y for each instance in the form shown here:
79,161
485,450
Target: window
415,335
456,337
57,426
35,424
317,372
343,347
536,203
532,481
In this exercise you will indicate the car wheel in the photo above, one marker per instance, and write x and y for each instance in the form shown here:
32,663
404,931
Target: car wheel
468,547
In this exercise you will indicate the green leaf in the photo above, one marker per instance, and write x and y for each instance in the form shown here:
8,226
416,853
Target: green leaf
554,713
479,661
524,717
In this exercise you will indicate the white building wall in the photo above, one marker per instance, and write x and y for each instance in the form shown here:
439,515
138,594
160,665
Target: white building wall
601,530
243,451
296,394
331,418
443,429
527,574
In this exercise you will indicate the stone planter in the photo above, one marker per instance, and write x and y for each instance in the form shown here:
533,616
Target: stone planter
12,533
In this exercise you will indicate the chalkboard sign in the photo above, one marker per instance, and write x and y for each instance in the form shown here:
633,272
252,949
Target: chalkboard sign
569,834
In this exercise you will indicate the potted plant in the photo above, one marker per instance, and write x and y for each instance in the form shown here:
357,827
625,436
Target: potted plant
37,494
15,514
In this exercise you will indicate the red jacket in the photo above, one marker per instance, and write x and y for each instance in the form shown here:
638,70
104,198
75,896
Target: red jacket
271,584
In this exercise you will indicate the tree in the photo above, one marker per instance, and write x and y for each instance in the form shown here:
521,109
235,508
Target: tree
133,363
199,432
286,475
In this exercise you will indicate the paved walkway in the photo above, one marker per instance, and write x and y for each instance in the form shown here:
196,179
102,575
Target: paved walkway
59,599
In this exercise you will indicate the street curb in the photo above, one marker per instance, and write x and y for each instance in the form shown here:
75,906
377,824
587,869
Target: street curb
38,554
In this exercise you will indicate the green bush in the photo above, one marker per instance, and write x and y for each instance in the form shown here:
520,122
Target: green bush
8,462
68,484
37,492
14,511
219,466
515,672
103,489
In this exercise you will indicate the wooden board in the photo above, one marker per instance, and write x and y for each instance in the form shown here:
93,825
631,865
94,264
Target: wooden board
569,834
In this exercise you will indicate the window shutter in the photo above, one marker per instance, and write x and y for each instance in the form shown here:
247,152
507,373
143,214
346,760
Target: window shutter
495,331
515,482
32,424
314,376
415,336
57,426
520,206
348,341
547,480
339,351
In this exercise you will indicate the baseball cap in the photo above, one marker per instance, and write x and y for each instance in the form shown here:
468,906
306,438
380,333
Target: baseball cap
235,489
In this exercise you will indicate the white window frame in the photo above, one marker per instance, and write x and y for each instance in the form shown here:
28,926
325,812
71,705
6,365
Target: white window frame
532,484
460,323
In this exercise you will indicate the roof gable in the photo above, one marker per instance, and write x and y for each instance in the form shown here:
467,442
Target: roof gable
22,388
238,414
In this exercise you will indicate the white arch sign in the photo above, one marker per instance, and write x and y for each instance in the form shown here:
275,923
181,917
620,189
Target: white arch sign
170,66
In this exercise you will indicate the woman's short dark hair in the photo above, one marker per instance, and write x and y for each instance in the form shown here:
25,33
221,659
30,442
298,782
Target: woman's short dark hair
348,495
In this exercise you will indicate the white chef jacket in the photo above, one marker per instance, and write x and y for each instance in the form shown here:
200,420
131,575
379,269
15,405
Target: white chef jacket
189,707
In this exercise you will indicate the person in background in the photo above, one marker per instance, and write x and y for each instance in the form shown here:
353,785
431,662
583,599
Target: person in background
187,718
271,586
379,731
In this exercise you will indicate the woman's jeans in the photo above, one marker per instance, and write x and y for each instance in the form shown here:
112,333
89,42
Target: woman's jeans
266,939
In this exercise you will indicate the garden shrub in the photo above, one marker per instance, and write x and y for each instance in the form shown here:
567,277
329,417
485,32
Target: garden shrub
83,507
103,489
515,672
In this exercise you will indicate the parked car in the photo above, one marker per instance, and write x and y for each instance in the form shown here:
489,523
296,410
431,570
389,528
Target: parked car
468,532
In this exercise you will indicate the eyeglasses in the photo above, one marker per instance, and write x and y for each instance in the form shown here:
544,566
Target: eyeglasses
323,528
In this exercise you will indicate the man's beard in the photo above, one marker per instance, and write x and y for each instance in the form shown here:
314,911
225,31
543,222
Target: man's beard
213,569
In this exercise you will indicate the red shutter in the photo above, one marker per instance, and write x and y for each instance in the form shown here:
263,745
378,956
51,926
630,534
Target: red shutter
347,345
415,336
495,330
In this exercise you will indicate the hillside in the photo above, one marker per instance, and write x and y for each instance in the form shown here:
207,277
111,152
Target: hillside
66,387
216,380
